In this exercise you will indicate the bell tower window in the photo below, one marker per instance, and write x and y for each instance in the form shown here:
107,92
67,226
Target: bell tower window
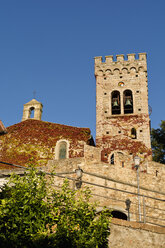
112,159
133,133
128,102
115,103
31,112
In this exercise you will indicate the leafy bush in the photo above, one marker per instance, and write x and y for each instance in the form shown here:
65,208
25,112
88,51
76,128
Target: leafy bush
33,214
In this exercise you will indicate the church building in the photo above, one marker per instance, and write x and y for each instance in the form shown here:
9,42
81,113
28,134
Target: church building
118,167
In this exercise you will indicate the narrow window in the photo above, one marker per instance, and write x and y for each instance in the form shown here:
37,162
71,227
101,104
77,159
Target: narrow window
128,102
133,133
31,112
115,102
62,150
112,159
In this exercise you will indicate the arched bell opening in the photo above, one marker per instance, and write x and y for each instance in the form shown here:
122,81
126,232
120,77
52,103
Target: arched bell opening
128,102
115,103
119,215
31,112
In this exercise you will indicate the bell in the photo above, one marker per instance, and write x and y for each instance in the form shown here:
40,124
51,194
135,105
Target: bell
115,103
128,103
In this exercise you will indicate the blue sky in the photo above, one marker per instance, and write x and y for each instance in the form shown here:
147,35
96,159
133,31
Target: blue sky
49,46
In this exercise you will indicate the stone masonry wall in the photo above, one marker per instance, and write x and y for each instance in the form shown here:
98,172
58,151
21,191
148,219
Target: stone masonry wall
126,234
111,185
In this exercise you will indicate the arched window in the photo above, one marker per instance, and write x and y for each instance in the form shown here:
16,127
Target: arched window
31,112
133,133
112,159
119,215
62,150
115,102
128,102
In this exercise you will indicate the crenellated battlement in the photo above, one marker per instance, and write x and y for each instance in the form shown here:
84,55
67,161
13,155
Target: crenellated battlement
121,57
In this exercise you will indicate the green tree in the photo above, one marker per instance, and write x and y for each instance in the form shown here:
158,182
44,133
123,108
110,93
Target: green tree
33,214
158,143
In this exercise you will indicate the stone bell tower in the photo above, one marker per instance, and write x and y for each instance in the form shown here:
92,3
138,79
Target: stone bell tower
122,118
32,107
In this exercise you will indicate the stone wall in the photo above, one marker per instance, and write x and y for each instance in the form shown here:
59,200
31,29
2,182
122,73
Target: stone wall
135,235
111,185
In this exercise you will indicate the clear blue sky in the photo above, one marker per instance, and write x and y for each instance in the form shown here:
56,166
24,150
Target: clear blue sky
49,45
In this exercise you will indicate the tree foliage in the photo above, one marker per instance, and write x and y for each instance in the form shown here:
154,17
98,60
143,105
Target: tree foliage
32,214
158,143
